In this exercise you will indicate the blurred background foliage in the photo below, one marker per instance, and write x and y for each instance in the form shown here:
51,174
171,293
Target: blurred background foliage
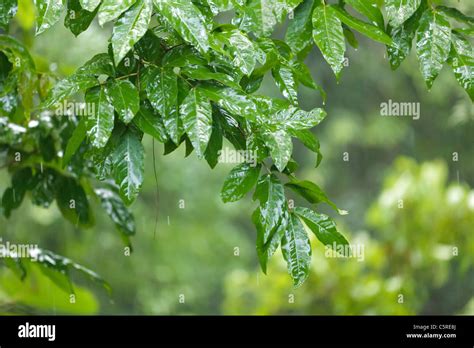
406,183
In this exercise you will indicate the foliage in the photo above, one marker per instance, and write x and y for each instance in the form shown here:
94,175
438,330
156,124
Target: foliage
174,72
404,254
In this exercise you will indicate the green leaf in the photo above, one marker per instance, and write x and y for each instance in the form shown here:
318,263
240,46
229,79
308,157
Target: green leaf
68,87
13,196
181,56
402,38
72,201
196,114
286,82
241,49
309,140
312,193
270,218
369,9
124,96
240,181
280,145
8,9
260,16
128,166
298,119
150,47
234,101
329,36
162,91
187,20
118,212
367,29
43,188
303,74
112,9
49,12
461,59
322,226
215,142
89,5
296,250
130,28
299,32
456,14
99,125
202,73
100,64
433,42
77,19
150,123
77,138
398,11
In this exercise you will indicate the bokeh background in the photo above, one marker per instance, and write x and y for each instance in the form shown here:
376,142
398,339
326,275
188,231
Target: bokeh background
201,259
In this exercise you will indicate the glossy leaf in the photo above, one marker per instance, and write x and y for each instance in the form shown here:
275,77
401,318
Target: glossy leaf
312,193
163,95
99,125
187,20
77,19
75,141
371,31
296,250
369,9
299,32
68,87
456,14
433,42
322,226
117,211
240,181
112,9
286,82
329,36
130,27
72,201
196,114
398,11
89,5
149,122
49,12
123,95
280,145
128,166
461,59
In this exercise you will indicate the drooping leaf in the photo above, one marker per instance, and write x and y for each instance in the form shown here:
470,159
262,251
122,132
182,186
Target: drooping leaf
112,9
456,14
130,28
202,73
99,125
196,114
322,226
329,36
128,166
162,91
77,137
49,12
299,32
72,201
286,82
215,142
187,20
296,250
68,87
77,19
369,30
312,193
461,59
433,42
118,212
149,122
398,11
369,9
124,96
239,181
